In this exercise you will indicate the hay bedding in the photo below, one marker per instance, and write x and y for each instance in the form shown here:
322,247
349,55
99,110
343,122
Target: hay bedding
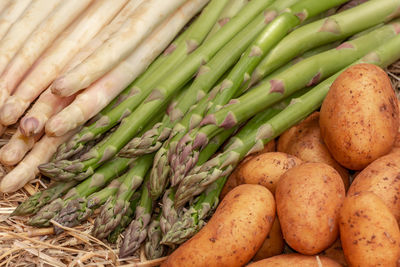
22,245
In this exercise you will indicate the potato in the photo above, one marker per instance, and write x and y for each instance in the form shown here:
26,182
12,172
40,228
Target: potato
305,142
381,177
273,244
232,179
369,232
295,260
266,169
308,199
359,117
234,233
335,252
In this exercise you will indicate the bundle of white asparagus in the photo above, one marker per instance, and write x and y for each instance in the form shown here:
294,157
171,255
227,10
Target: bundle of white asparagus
61,62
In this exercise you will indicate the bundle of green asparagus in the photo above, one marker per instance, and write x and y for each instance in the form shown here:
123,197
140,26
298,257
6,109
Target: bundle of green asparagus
155,159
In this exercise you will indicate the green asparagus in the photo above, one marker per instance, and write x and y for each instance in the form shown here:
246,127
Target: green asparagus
152,248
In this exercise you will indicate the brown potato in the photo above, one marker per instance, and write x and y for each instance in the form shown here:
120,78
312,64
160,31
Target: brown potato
234,233
335,252
273,244
308,199
266,169
296,260
359,117
369,232
304,141
232,179
381,177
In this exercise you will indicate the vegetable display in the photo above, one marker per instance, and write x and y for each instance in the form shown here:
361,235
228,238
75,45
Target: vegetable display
200,132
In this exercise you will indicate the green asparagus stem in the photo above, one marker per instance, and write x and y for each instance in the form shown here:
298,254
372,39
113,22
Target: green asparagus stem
115,208
269,37
274,89
299,108
326,30
77,210
193,219
153,249
126,219
97,181
136,232
143,86
41,198
150,107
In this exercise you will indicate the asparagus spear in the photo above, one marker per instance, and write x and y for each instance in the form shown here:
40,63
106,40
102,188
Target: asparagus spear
116,206
152,248
273,90
270,36
137,91
126,219
136,232
207,75
77,210
169,85
41,198
326,30
94,183
300,108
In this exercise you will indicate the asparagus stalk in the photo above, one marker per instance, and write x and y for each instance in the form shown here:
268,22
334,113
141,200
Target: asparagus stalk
98,180
269,37
150,107
136,232
11,13
126,219
207,75
41,198
79,209
274,89
299,108
152,248
326,30
115,208
137,91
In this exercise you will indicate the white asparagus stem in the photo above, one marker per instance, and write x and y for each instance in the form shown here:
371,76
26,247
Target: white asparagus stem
16,148
27,169
145,18
34,14
46,106
4,4
10,14
99,94
50,64
103,35
62,16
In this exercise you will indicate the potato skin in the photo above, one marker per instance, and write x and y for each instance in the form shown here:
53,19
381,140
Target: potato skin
359,117
335,252
304,141
266,169
234,233
295,260
273,245
308,199
369,232
381,177
232,179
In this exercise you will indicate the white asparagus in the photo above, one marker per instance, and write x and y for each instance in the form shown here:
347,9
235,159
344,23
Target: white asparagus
103,35
99,94
27,169
51,63
34,14
145,18
10,14
16,148
57,21
46,106
4,4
